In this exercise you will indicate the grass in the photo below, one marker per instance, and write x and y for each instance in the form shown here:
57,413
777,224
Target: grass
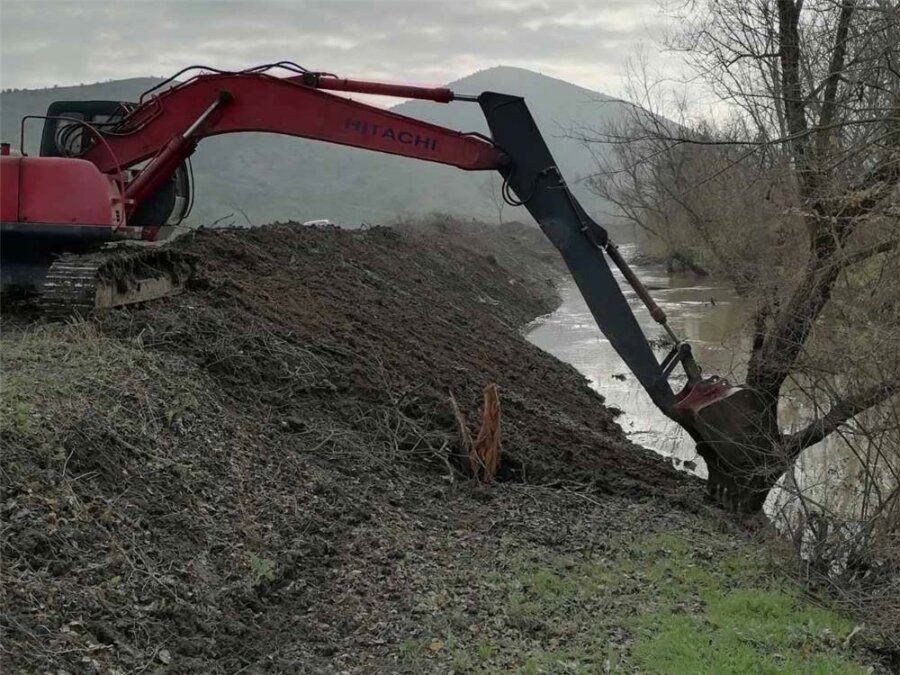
738,618
263,570
670,603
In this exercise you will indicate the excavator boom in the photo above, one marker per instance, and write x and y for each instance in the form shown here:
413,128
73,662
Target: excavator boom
260,102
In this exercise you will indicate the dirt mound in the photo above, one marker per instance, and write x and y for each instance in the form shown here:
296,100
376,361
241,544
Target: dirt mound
261,473
350,322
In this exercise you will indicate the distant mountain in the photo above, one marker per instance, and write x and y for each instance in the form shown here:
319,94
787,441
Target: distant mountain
271,177
558,107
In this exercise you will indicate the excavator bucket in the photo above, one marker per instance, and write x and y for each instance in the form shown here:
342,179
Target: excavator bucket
724,420
718,411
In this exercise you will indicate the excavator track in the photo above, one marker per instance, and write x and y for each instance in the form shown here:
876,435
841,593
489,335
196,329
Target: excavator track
80,284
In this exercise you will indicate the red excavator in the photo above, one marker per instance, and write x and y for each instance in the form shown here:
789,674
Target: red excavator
111,171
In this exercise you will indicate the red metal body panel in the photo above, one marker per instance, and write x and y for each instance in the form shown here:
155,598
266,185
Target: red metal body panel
58,190
264,103
9,188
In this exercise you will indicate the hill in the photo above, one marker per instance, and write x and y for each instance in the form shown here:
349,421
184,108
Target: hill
557,106
277,178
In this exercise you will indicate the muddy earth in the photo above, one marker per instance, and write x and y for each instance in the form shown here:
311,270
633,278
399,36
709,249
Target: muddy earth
262,474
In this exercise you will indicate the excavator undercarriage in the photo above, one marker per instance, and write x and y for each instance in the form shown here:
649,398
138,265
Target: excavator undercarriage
113,277
82,279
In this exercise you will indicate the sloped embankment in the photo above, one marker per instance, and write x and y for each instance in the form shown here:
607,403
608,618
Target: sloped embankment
260,474
301,324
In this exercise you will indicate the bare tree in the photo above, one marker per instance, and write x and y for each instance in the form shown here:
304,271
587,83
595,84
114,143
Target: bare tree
492,190
793,193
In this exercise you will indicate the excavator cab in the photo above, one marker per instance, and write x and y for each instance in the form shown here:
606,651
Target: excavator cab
67,132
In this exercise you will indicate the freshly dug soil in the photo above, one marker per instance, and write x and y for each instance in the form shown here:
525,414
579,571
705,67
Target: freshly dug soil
263,474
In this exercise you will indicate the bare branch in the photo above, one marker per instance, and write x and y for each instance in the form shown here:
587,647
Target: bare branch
592,136
868,252
835,69
841,412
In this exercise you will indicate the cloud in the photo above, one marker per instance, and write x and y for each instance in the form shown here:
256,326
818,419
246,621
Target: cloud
44,43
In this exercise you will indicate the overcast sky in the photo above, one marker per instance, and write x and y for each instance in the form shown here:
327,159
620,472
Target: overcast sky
44,43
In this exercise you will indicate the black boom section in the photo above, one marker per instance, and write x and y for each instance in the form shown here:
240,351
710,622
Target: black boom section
533,177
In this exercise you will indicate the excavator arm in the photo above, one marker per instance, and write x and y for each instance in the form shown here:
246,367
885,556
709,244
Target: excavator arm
212,105
532,174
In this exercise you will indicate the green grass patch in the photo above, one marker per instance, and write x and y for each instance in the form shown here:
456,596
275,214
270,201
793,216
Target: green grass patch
671,603
728,616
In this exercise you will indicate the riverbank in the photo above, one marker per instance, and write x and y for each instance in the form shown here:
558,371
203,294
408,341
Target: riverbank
262,474
714,319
